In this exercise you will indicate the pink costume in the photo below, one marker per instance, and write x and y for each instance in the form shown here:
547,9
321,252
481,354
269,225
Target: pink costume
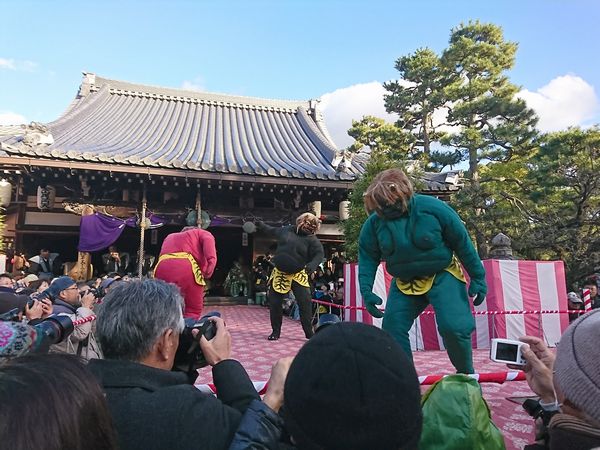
187,259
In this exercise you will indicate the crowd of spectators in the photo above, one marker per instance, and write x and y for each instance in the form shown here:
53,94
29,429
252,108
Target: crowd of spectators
111,383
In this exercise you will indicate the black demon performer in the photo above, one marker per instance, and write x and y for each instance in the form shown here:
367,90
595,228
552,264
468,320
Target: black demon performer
298,254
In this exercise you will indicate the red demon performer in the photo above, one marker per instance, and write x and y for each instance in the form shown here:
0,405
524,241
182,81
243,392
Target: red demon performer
187,259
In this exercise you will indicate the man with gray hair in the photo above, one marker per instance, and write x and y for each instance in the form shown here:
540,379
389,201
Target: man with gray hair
153,408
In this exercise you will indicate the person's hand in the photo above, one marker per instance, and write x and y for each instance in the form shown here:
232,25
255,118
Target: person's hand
219,347
88,300
274,396
371,302
539,367
477,290
47,307
34,311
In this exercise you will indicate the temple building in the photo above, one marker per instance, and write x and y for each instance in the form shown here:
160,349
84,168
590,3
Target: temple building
161,157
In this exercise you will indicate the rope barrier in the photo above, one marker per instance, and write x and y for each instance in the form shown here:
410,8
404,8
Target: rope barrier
87,319
476,313
426,380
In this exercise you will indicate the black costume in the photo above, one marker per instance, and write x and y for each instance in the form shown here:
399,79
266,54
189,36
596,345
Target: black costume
298,254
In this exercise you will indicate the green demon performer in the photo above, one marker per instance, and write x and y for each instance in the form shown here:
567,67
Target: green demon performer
423,241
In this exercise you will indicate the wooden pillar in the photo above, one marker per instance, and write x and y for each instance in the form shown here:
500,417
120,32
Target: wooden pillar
198,209
82,271
142,234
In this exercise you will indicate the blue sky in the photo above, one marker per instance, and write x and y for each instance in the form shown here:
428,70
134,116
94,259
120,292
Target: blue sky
338,50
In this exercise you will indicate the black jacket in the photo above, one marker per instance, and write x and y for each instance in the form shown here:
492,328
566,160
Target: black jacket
294,251
260,428
158,409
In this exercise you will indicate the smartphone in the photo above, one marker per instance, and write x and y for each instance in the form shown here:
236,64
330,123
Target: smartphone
507,351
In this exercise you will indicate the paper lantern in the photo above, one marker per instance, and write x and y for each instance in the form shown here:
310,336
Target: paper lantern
315,208
344,210
45,197
205,220
249,227
5,193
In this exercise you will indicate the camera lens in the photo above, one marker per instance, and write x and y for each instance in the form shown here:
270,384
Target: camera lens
53,330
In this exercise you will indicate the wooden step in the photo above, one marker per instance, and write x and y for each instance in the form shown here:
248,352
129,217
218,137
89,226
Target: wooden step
222,301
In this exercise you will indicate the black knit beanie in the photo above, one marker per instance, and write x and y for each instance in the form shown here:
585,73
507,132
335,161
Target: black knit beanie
351,386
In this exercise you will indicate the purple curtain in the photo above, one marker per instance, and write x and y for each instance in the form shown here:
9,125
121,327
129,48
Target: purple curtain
98,231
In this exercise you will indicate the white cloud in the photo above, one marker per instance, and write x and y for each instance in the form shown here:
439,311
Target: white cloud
344,105
197,84
20,65
11,118
565,101
7,64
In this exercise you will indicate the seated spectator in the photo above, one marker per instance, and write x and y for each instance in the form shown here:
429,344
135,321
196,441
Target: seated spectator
351,386
52,402
115,261
568,386
67,301
138,328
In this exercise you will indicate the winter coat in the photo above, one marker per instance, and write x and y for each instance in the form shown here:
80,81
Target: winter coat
157,409
82,341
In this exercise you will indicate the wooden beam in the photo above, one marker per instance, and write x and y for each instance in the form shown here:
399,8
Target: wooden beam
155,171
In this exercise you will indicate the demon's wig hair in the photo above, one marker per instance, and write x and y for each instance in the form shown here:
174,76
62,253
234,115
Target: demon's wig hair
388,188
307,222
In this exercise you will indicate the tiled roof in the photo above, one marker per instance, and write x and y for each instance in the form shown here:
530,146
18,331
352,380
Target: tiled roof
116,122
123,123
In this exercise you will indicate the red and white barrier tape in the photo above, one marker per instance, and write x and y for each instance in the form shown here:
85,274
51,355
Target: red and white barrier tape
494,377
476,313
260,386
83,320
587,300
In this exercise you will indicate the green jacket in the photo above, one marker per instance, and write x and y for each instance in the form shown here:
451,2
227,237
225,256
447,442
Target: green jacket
417,244
457,417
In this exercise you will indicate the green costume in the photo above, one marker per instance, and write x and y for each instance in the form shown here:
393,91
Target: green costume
419,247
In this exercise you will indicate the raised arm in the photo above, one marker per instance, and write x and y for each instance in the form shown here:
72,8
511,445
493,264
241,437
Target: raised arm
369,258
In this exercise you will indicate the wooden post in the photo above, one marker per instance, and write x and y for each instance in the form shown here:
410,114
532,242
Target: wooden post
198,209
83,270
142,234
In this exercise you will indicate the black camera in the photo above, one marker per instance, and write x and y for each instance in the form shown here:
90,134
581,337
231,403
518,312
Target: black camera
98,292
49,331
533,408
189,356
53,330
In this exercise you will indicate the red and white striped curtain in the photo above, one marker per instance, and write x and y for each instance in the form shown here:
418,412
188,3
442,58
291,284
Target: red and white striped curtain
512,285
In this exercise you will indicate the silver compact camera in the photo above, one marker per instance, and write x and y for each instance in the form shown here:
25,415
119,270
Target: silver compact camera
507,351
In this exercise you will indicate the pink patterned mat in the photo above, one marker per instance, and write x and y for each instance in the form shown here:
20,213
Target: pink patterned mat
249,328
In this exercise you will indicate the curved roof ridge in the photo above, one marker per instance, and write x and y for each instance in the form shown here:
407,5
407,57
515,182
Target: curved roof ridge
188,95
327,147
